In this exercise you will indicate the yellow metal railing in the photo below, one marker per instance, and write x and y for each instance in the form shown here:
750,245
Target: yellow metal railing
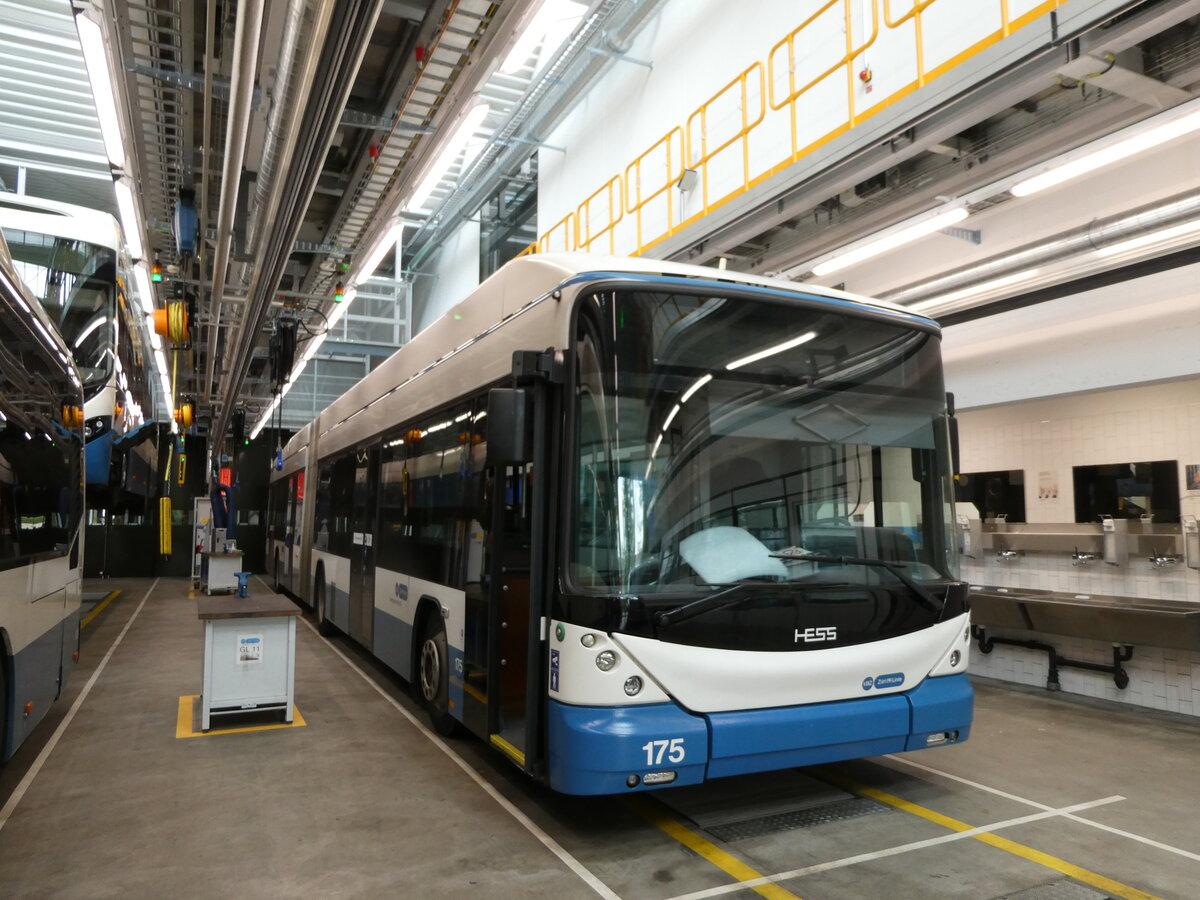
718,139
608,198
651,177
730,127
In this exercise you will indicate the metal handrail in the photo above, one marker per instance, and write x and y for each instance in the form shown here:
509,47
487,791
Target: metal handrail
702,152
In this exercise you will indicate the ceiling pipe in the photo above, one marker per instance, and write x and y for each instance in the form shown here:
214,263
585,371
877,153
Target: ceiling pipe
304,31
210,39
1096,235
245,50
338,64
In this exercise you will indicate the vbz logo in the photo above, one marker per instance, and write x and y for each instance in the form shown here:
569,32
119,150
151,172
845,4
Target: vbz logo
816,635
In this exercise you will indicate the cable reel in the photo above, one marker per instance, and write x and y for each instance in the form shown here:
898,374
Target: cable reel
172,322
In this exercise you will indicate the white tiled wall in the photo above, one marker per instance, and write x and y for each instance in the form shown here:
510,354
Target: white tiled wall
1149,422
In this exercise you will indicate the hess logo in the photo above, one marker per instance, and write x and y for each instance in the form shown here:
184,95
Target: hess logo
816,635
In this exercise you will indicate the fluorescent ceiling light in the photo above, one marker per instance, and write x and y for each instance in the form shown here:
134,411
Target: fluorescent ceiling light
1154,237
370,262
95,56
455,145
700,382
771,351
314,344
1083,161
549,27
671,417
145,291
890,239
91,326
973,290
127,209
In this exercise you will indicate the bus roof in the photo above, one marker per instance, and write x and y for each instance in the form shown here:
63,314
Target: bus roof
515,291
78,223
582,264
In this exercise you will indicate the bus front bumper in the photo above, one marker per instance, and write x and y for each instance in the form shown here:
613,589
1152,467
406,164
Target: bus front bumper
609,750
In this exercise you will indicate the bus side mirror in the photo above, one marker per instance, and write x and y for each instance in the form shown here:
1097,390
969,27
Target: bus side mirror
508,427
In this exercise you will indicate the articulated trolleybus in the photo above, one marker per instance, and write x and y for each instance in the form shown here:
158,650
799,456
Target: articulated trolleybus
641,524
41,510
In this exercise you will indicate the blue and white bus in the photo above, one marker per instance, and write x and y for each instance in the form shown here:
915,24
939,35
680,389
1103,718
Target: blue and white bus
69,258
41,509
639,524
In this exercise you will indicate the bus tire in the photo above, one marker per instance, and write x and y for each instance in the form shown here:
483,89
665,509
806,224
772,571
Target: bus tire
324,626
433,676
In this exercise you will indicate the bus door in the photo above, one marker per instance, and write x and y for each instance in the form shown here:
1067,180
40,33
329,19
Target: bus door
523,472
509,608
362,545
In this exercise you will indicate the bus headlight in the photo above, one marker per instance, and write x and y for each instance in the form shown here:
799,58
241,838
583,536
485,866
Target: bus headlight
588,640
633,685
605,660
954,658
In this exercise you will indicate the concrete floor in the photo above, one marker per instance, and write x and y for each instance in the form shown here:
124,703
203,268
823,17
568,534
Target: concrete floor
363,802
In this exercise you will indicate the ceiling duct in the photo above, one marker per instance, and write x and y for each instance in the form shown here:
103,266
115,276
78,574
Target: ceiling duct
249,25
336,65
1004,269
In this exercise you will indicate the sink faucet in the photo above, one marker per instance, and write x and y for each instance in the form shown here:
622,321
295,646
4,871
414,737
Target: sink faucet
1162,562
1008,554
1082,559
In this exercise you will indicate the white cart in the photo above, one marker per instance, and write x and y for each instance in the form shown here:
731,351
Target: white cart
249,656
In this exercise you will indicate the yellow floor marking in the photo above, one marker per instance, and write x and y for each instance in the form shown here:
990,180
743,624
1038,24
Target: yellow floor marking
1114,888
112,595
726,862
508,748
184,719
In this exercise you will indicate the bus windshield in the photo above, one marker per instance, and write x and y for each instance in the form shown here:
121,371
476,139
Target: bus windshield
75,282
755,438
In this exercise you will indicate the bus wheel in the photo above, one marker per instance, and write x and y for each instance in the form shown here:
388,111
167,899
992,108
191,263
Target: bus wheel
434,676
324,626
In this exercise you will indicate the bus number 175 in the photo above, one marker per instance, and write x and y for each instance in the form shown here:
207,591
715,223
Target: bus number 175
672,749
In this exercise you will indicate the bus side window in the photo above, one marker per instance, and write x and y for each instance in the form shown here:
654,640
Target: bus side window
322,509
438,460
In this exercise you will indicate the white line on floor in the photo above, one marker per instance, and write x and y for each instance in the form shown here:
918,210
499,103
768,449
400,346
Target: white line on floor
892,851
1150,842
21,788
552,845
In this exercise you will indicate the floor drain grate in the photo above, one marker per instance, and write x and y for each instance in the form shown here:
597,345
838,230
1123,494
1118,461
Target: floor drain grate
1063,889
837,811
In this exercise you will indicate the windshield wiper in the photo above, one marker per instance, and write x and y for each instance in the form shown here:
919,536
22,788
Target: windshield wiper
719,600
926,599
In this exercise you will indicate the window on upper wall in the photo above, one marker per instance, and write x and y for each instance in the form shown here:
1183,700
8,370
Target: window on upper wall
994,494
1128,491
508,220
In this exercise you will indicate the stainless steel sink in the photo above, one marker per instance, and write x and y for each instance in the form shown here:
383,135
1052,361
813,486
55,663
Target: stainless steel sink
1120,620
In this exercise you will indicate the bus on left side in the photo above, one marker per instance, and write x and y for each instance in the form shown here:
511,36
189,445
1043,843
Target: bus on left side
69,259
41,509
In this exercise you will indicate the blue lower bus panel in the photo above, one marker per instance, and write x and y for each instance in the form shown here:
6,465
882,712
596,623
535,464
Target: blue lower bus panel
599,749
606,750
